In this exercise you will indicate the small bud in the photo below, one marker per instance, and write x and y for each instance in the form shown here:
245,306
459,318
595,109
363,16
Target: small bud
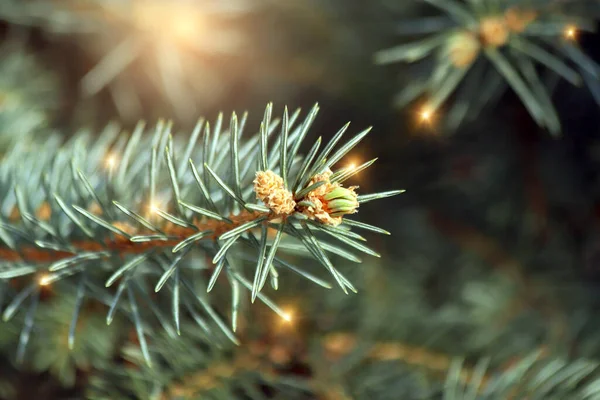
463,49
269,189
342,205
329,202
493,31
338,193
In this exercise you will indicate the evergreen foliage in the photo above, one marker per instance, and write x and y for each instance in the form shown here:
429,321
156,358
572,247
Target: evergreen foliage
28,94
131,255
112,209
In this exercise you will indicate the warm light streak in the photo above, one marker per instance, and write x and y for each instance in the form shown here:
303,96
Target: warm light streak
180,23
111,161
154,207
44,280
286,320
570,32
185,28
287,317
426,114
352,167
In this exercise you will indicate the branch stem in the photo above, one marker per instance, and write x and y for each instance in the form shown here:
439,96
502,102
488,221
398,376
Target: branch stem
123,245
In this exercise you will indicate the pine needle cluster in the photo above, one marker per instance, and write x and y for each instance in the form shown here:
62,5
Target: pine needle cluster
124,216
477,47
28,94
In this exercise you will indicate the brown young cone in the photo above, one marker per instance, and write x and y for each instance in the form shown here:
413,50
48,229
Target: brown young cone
269,189
463,49
331,200
493,31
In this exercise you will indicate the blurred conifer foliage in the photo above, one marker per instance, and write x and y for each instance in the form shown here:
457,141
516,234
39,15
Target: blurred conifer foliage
29,94
471,50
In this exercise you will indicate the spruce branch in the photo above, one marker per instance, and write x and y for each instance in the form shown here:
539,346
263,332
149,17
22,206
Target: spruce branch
539,374
534,376
119,221
27,94
478,48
